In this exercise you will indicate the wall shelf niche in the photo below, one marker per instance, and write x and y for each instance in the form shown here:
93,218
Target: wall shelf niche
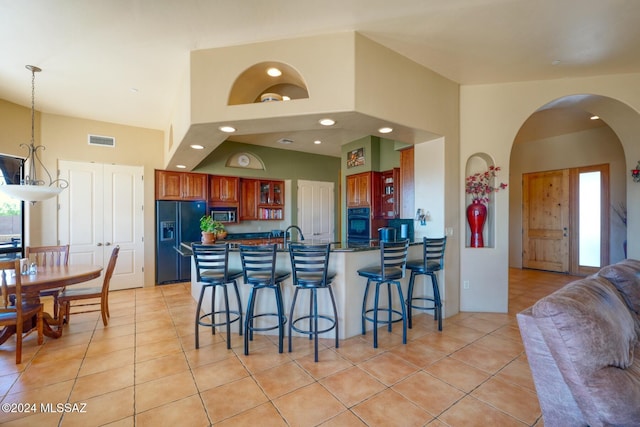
478,163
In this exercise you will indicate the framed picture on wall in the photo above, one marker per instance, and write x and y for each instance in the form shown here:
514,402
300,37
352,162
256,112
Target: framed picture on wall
355,157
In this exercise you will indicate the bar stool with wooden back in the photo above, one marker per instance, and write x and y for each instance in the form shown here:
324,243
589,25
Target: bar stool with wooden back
432,261
98,292
18,315
393,259
309,266
49,256
259,270
212,271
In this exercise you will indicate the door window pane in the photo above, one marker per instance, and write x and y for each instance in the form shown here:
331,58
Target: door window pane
10,210
589,219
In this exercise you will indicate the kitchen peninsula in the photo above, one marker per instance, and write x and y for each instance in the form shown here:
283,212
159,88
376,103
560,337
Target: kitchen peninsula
345,260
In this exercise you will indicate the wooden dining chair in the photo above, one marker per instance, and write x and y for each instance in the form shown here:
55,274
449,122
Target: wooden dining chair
49,256
80,294
19,314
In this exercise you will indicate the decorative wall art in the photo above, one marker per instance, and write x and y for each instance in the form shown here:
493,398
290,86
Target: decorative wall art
355,158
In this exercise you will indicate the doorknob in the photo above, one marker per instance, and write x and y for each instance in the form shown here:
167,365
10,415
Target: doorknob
99,244
108,244
565,232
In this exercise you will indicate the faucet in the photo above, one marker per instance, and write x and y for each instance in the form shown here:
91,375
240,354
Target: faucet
286,232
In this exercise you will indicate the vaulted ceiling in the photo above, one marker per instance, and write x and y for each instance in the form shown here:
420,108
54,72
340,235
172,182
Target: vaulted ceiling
123,61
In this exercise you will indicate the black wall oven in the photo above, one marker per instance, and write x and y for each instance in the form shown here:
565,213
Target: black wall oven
358,225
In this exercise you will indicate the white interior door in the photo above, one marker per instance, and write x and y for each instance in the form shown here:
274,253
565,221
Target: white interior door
316,210
102,208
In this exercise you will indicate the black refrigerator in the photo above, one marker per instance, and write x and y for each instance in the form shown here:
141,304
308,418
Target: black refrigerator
176,222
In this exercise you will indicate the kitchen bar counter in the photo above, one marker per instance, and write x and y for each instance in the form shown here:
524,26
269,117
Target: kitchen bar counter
234,245
348,286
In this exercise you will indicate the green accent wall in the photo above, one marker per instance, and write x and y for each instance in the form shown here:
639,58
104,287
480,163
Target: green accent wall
380,154
279,164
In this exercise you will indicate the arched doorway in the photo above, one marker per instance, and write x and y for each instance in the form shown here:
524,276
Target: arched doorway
563,136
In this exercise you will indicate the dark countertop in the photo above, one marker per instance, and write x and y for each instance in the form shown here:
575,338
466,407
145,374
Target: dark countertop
185,247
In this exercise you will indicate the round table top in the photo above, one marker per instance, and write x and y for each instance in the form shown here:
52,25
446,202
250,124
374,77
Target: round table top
55,277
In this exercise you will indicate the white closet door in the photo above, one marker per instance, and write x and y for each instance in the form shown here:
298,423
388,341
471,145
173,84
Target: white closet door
102,208
316,210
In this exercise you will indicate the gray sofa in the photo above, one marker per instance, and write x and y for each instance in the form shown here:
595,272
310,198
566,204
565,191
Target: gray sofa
582,344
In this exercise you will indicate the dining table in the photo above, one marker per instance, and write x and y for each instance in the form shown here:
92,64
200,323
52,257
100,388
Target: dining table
48,277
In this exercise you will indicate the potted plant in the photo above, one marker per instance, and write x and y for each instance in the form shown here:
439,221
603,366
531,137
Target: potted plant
221,233
208,227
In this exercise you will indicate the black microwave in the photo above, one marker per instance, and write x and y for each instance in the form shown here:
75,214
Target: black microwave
226,215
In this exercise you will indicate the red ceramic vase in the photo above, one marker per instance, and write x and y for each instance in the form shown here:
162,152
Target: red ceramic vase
476,217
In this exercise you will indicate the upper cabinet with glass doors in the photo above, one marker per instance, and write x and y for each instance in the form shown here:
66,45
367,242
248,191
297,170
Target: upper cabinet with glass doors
271,200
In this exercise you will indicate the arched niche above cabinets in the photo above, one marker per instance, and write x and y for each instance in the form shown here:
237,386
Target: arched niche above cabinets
255,84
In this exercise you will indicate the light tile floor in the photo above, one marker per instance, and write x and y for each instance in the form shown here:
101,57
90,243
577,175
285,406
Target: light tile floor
143,370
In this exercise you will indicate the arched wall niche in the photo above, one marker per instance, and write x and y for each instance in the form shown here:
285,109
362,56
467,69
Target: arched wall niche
478,163
254,81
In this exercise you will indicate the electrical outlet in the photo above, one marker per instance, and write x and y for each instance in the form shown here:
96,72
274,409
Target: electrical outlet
448,231
465,284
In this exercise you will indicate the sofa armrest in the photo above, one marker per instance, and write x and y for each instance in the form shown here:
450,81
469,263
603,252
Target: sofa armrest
558,406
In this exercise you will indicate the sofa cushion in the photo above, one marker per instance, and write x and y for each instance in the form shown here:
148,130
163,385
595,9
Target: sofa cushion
625,276
591,335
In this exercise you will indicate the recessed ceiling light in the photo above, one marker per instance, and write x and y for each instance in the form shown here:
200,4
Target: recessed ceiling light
274,72
594,117
181,166
197,146
285,141
317,142
327,122
385,130
227,129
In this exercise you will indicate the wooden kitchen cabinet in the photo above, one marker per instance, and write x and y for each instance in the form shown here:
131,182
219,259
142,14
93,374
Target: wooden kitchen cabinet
223,190
388,186
359,190
271,203
171,185
406,184
249,189
261,199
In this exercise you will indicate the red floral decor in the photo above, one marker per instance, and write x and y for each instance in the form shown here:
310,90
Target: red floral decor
480,186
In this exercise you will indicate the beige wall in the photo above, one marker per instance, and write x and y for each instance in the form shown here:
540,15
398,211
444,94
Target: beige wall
344,72
490,117
65,138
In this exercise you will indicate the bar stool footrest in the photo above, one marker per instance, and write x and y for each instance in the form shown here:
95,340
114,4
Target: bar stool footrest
422,307
385,311
266,328
235,313
332,325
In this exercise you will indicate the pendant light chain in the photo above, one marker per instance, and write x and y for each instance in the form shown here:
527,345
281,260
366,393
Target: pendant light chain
32,177
31,189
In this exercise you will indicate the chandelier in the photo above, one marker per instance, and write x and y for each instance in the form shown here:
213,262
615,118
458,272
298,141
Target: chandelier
31,188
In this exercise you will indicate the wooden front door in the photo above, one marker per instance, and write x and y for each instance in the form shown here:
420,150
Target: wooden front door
545,221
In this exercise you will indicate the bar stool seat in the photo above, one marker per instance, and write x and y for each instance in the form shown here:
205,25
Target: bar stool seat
309,265
259,271
212,271
393,259
432,261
